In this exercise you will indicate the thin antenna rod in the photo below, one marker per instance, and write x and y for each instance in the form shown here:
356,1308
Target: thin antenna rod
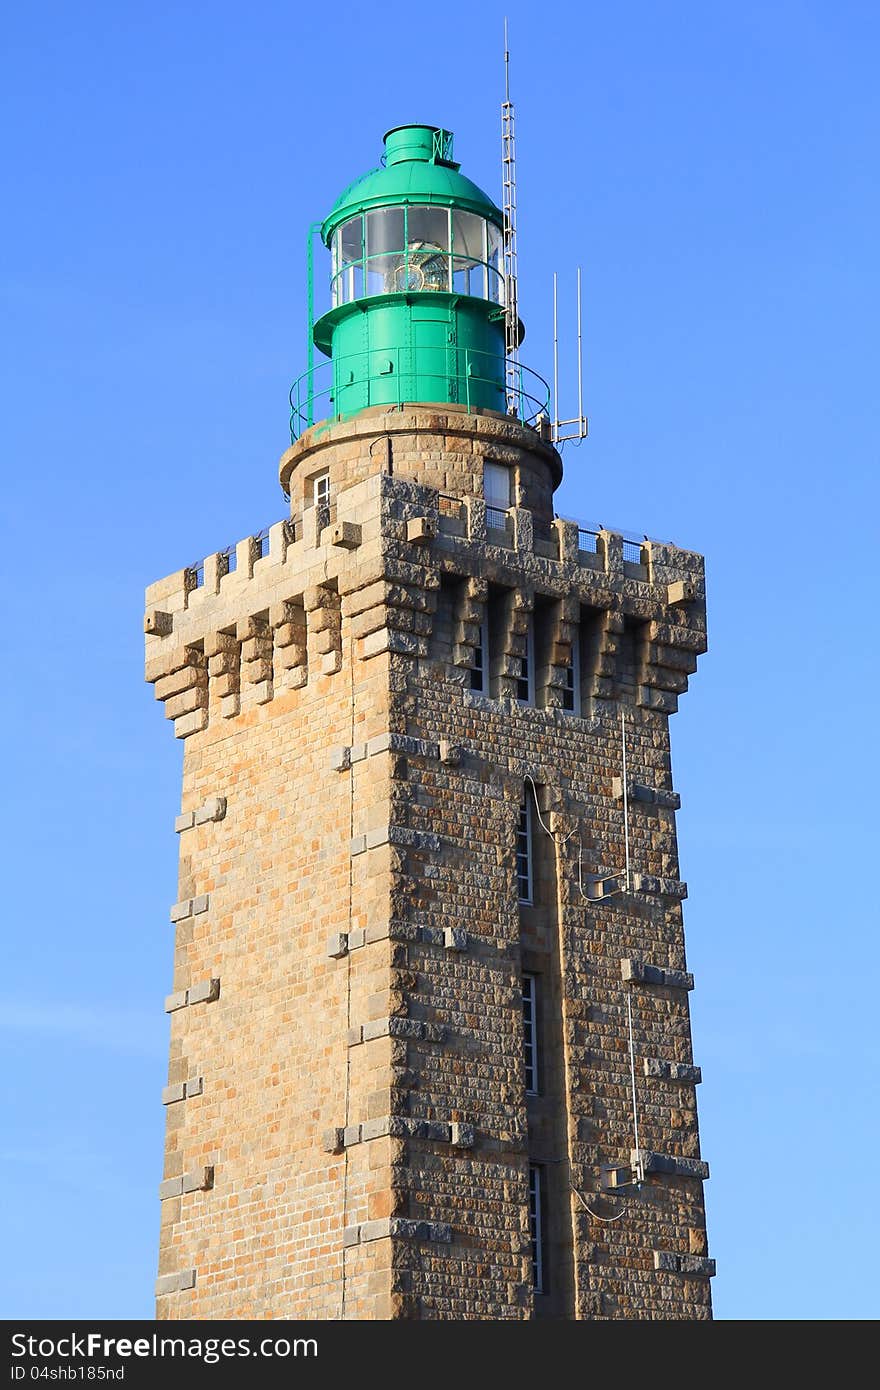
506,64
508,180
563,428
555,354
580,353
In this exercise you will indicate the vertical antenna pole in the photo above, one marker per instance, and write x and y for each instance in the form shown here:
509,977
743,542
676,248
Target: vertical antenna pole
555,358
580,357
506,64
310,303
625,797
508,179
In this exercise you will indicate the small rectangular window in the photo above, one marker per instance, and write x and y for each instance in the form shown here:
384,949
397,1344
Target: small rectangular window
524,850
496,485
480,668
321,489
530,1031
536,1225
525,685
571,691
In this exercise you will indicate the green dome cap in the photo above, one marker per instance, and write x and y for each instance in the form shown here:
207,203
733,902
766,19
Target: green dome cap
418,169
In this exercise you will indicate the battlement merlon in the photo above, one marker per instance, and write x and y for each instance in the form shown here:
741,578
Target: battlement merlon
376,557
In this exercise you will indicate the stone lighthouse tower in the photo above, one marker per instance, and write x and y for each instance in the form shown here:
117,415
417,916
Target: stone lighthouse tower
430,1045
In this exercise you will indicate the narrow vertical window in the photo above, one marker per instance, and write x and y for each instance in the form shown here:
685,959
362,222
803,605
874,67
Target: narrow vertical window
524,874
571,691
536,1225
530,1031
321,489
525,685
496,491
480,668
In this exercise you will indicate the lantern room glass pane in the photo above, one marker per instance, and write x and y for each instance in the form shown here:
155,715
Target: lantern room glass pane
496,264
347,252
428,226
467,235
468,254
427,247
386,243
385,231
335,283
351,238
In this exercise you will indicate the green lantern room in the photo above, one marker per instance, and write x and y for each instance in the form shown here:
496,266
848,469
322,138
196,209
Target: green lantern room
416,292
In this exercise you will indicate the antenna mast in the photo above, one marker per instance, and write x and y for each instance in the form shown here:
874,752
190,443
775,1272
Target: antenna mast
508,179
577,427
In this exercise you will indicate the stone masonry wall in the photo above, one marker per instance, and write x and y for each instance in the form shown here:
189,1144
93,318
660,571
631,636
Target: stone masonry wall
348,1134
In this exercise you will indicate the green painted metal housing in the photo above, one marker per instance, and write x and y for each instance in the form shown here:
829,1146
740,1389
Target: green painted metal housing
416,289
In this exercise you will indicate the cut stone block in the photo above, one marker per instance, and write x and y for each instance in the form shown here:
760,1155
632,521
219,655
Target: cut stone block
205,992
680,591
347,534
175,1283
157,623
462,1136
421,529
614,1178
375,1230
638,972
376,1028
671,1263
199,1180
670,1164
672,1071
213,810
333,1141
375,1129
191,723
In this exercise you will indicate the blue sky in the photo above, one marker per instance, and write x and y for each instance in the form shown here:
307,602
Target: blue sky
713,169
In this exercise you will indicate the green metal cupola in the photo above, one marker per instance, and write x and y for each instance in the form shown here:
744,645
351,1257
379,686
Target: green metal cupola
417,290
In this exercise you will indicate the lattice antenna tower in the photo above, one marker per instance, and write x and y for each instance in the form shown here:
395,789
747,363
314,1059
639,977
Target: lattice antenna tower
508,181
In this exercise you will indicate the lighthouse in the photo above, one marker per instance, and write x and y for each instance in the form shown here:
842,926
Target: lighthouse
430,1048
